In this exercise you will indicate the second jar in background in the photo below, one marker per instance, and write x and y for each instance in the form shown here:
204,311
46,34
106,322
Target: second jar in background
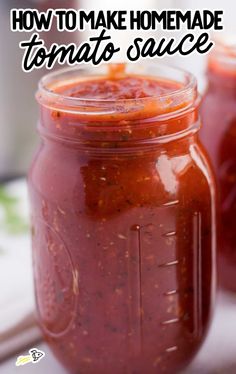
218,111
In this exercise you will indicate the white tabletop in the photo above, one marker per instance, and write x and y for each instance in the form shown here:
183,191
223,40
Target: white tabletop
217,356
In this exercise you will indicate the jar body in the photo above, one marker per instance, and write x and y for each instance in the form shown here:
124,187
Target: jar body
218,134
123,255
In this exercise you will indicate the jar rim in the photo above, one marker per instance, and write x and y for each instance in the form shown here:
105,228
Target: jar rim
47,96
224,53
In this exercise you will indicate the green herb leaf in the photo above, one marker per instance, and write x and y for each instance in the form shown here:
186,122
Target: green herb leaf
12,221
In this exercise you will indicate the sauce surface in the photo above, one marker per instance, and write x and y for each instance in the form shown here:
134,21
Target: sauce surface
128,87
119,85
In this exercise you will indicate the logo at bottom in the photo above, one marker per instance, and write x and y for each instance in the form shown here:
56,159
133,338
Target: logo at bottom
35,355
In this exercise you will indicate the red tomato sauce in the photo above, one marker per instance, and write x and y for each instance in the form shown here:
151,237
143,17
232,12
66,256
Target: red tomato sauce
122,88
218,111
123,218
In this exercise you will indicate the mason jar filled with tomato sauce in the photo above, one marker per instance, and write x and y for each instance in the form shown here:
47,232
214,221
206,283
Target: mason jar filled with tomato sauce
218,112
123,219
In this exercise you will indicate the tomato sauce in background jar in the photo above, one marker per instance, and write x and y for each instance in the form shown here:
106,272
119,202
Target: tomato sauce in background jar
218,113
123,219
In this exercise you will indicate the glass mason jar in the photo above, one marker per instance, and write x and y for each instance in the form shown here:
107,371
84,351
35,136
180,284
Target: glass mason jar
218,112
123,221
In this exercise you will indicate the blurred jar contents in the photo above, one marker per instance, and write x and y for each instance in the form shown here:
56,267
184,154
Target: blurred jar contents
218,112
123,219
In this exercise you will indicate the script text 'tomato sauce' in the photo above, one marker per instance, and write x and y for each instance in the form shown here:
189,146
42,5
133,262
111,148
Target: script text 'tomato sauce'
123,220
